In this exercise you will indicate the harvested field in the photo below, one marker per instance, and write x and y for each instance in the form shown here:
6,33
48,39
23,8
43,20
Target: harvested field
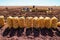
42,34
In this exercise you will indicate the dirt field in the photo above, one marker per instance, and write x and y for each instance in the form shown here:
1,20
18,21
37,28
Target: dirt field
43,34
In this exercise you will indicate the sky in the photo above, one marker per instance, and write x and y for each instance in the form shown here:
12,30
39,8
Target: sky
29,2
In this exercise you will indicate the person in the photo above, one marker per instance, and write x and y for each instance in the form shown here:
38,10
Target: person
33,6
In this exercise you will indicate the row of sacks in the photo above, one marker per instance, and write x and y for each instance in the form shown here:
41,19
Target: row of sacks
28,22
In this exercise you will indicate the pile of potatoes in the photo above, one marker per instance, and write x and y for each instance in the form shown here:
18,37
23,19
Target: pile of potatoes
28,22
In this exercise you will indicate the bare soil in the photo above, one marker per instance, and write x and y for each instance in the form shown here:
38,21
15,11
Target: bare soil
37,34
